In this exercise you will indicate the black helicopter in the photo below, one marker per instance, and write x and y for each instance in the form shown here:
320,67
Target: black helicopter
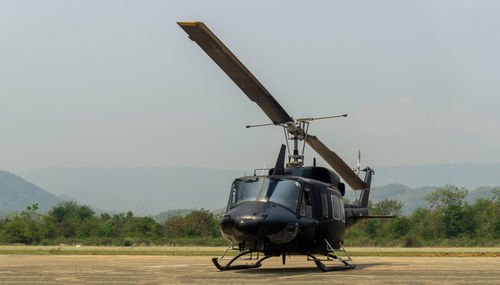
294,209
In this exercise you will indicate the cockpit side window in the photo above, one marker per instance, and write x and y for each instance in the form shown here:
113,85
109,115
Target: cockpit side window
336,207
306,205
244,190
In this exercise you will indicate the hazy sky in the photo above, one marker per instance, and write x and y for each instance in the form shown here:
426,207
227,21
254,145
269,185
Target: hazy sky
119,84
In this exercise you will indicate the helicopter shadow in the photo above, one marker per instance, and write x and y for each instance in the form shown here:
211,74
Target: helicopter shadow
288,271
367,265
292,271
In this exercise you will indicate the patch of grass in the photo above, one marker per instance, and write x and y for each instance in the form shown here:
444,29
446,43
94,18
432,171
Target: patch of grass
217,251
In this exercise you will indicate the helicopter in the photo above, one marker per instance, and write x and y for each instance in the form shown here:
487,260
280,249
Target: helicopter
292,209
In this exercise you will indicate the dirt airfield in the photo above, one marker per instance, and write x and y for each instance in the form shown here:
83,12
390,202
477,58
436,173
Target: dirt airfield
144,269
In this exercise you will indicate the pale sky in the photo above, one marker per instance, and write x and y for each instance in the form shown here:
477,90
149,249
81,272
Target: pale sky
119,84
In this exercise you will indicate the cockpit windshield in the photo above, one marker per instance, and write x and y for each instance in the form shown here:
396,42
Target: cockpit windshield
247,190
264,189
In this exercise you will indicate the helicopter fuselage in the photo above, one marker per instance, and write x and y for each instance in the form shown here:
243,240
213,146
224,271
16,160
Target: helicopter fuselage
287,213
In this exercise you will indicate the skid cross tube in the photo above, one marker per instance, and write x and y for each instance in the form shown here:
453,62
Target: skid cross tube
331,255
325,268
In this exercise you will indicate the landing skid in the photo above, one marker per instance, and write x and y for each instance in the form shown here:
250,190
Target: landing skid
228,266
331,255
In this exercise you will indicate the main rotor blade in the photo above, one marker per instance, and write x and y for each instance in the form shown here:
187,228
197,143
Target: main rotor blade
228,62
337,163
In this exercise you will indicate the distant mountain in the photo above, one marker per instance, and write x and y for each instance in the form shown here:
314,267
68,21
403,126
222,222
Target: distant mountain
481,192
163,216
16,194
145,191
468,175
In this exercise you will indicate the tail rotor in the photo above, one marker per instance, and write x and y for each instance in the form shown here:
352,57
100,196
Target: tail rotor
364,196
358,164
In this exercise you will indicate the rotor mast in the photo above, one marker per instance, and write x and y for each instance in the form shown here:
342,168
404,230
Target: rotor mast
295,159
296,131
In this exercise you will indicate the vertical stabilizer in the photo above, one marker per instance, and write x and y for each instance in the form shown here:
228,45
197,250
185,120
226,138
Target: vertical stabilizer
363,198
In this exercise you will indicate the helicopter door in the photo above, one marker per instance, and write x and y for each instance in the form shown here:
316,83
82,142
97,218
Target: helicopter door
324,207
306,205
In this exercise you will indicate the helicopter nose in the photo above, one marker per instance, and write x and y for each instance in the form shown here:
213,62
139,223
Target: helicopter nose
255,221
251,225
246,225
260,228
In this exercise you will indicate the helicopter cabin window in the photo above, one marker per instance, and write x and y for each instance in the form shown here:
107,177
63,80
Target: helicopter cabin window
324,205
305,207
342,210
336,207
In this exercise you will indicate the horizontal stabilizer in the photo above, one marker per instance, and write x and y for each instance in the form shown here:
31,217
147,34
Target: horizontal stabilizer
377,217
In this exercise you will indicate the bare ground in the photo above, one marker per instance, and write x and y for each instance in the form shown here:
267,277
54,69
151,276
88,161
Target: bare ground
137,269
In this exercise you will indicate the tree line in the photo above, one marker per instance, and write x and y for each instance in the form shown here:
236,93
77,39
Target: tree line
71,223
448,221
